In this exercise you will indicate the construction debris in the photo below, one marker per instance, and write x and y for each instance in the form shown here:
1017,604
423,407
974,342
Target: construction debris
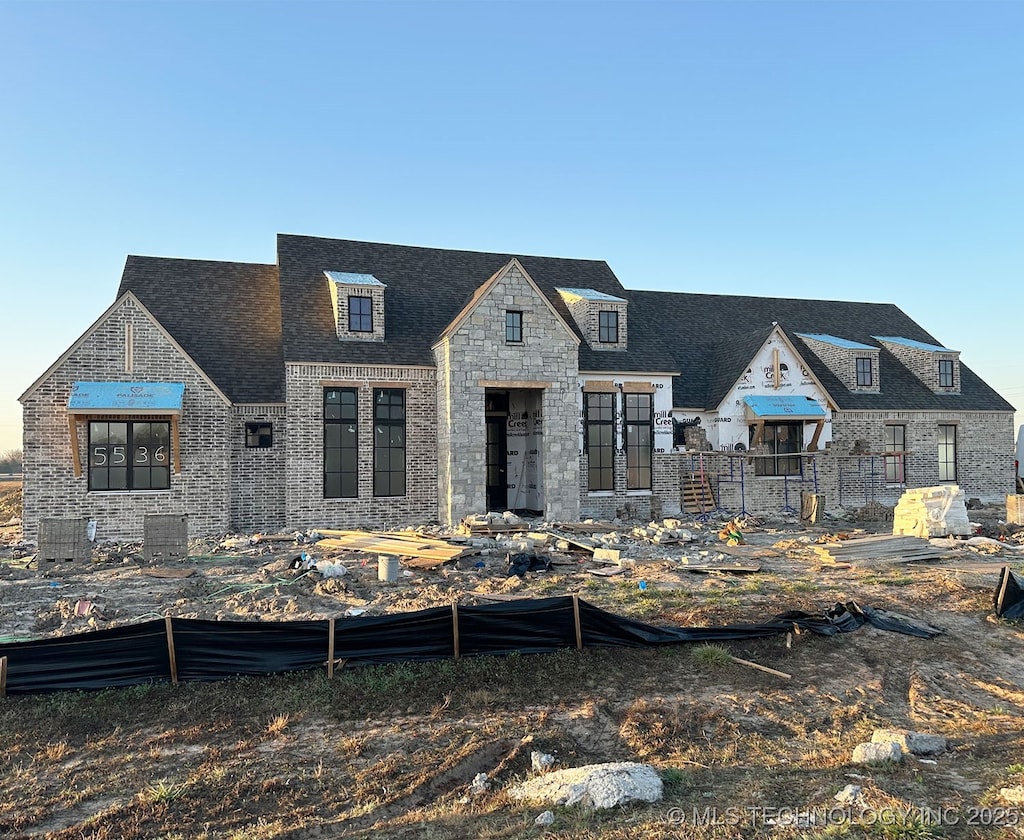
878,548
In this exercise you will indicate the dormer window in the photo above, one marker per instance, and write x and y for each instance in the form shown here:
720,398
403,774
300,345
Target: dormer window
864,377
936,366
358,301
946,373
360,313
855,364
600,317
608,326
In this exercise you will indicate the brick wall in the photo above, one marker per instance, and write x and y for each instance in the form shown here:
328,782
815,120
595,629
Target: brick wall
842,361
258,475
304,483
924,364
51,490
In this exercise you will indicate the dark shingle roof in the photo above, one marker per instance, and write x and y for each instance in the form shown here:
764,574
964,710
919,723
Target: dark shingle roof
426,289
716,336
226,316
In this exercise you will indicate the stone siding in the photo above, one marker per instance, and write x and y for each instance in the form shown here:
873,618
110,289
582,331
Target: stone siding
475,353
51,490
304,483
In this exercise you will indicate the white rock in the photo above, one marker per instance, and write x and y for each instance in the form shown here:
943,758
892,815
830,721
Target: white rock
915,743
546,818
850,795
597,786
541,762
877,752
1012,795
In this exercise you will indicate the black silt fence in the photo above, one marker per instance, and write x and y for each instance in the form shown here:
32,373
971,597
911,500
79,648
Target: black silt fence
182,649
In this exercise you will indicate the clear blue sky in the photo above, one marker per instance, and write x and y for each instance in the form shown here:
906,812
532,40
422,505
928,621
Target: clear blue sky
856,150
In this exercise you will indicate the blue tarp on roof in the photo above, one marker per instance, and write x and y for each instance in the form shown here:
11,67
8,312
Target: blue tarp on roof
794,406
909,342
139,397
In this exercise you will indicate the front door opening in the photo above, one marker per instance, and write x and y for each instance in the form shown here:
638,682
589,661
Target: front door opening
513,423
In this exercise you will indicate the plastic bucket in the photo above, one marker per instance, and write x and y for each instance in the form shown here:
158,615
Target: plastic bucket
387,567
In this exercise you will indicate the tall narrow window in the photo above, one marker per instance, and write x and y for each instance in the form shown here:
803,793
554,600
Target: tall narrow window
513,326
896,457
341,443
783,441
360,314
864,378
600,431
639,440
129,455
389,442
947,453
945,373
608,327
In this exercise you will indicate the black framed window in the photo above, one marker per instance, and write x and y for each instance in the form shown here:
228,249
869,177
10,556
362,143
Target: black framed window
389,442
783,441
129,455
513,326
639,416
259,436
341,443
600,432
864,377
945,373
896,463
360,314
947,453
608,327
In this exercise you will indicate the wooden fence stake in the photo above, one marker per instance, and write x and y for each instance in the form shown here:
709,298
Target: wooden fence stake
3,677
455,627
576,616
764,668
330,649
170,650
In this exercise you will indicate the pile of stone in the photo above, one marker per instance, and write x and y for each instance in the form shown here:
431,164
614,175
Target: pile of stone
932,512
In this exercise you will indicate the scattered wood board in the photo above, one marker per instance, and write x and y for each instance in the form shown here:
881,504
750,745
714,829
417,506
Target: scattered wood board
404,545
707,569
168,572
607,571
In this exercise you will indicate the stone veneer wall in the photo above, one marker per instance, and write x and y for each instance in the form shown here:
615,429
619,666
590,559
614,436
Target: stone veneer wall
258,475
201,490
304,483
476,352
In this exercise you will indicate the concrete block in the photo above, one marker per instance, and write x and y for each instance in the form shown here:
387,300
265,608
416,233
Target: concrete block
62,541
165,537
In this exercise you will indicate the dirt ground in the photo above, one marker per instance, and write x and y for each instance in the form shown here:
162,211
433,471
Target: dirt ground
399,747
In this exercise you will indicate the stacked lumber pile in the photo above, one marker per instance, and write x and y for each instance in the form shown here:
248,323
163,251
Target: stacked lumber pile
417,550
878,548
